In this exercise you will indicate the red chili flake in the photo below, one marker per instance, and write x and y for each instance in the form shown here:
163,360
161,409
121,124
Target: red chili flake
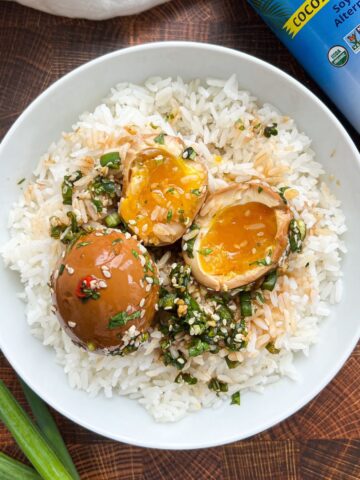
85,288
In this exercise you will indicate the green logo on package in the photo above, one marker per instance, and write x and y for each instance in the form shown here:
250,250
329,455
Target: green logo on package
338,56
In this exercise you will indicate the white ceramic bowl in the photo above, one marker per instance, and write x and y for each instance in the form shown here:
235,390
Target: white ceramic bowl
56,110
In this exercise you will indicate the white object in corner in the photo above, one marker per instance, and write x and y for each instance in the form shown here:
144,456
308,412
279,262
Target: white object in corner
92,9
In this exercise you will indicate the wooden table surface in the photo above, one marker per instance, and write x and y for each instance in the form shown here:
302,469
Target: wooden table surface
322,441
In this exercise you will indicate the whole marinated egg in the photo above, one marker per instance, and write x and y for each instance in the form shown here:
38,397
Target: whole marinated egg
239,236
105,289
164,187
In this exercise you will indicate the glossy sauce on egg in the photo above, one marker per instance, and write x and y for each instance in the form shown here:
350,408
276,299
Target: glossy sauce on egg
164,189
238,236
105,275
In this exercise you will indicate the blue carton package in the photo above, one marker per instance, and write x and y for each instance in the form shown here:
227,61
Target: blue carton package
324,36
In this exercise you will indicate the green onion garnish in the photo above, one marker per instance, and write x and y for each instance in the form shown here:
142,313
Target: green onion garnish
169,216
245,304
112,220
186,377
235,398
231,363
122,318
205,251
270,347
270,281
217,386
270,130
160,139
111,160
189,153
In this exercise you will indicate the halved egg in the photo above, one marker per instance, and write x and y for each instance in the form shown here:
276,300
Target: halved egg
239,235
164,187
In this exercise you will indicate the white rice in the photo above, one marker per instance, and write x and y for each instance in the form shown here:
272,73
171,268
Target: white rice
204,113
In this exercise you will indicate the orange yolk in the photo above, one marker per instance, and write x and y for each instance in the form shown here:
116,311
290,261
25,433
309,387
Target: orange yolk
238,236
162,189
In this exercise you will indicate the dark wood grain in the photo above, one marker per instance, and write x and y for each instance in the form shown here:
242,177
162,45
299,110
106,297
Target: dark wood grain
319,442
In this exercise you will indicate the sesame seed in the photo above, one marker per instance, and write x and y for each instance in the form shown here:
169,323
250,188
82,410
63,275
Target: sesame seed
142,314
149,279
142,302
127,235
253,251
128,308
156,307
215,316
144,227
181,360
98,234
142,260
107,274
260,234
72,324
70,270
102,284
141,283
132,222
148,287
142,248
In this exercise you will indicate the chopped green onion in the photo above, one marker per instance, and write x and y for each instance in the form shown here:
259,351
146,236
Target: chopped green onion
121,319
167,301
49,428
198,347
205,251
218,386
187,378
98,204
111,160
260,189
282,191
61,269
270,347
189,153
112,220
83,244
22,180
160,139
196,192
231,363
302,228
29,439
135,253
270,130
245,304
270,281
68,185
11,469
169,216
235,398
297,233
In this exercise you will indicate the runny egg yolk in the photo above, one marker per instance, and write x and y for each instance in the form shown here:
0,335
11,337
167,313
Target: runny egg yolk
239,237
162,189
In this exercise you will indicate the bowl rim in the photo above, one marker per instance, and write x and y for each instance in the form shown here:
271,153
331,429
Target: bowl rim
123,437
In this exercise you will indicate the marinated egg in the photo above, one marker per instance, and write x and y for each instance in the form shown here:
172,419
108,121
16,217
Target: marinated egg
239,235
164,187
105,289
